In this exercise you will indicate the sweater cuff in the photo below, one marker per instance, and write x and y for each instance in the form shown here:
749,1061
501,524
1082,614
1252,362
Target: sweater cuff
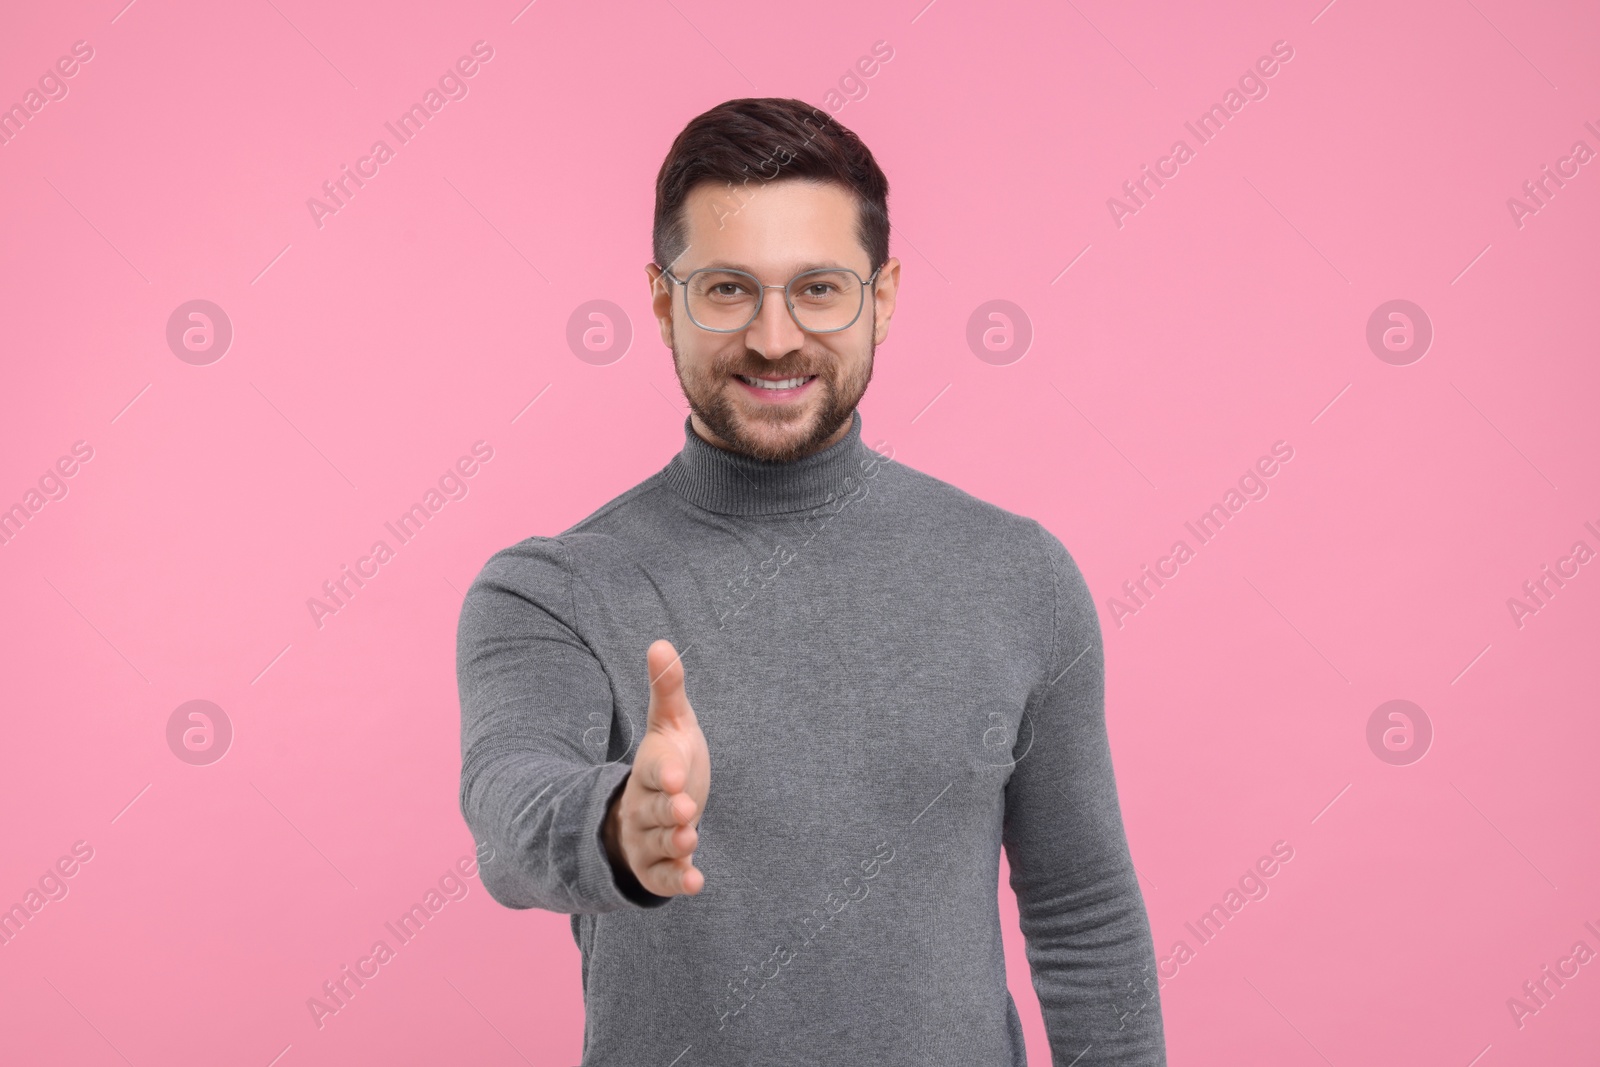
596,867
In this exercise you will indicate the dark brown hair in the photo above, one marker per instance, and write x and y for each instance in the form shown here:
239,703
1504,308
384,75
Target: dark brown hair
764,139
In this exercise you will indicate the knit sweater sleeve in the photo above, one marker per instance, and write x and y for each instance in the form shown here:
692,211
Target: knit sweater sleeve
536,723
1081,912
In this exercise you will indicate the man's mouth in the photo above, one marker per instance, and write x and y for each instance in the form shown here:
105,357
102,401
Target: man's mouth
775,383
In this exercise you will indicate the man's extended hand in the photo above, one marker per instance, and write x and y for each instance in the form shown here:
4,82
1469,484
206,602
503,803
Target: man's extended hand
652,825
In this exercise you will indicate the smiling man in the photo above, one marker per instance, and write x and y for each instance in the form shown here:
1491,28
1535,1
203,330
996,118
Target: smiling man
891,678
783,384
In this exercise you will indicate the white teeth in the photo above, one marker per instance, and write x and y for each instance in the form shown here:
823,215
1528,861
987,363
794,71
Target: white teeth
787,383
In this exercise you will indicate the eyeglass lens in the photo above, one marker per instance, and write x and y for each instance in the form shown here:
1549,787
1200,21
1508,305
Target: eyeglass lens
822,300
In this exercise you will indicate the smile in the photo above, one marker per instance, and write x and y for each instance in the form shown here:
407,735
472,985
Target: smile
775,383
775,390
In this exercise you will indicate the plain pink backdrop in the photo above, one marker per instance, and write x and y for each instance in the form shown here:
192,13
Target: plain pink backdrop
1168,353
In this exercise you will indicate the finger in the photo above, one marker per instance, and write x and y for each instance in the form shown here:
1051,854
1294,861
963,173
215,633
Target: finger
668,701
674,842
670,877
665,809
676,808
664,773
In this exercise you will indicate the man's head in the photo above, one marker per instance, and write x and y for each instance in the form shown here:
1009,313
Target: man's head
771,187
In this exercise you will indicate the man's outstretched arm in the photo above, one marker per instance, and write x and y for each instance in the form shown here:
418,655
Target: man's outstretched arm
536,716
1081,912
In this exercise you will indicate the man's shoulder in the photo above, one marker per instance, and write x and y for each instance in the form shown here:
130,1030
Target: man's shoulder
544,561
1009,547
625,508
1011,561
938,504
533,569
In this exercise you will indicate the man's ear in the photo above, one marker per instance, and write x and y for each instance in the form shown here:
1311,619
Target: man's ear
885,292
660,301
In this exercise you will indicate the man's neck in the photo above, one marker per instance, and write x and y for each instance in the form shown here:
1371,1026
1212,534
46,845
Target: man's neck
733,483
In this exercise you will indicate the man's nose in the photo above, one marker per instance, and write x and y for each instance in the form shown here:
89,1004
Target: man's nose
774,334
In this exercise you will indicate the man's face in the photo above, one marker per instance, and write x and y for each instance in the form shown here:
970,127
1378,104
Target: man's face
773,231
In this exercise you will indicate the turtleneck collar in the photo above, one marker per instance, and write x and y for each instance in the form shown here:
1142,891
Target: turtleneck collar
733,484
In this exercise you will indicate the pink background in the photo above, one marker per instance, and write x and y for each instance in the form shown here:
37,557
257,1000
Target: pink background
1228,313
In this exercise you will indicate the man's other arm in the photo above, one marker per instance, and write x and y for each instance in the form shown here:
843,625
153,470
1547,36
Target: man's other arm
536,716
1081,912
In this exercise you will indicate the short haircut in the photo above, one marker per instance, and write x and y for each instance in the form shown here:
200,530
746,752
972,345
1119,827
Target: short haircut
760,140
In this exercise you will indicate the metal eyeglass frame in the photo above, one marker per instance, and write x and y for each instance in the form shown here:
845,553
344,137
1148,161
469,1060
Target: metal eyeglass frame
761,295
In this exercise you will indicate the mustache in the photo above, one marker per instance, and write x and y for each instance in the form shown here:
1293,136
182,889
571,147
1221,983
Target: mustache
766,369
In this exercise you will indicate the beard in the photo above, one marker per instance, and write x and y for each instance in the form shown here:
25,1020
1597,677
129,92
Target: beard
707,393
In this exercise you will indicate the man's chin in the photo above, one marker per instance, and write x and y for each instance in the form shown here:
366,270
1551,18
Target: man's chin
774,441
773,436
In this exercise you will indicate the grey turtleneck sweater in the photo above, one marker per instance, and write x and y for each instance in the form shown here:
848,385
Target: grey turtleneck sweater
894,678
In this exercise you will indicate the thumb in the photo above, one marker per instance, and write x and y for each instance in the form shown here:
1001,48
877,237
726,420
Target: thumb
669,704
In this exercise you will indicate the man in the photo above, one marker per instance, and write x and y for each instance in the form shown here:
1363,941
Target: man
890,677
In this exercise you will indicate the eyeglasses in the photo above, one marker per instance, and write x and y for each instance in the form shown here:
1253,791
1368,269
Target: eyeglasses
722,300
